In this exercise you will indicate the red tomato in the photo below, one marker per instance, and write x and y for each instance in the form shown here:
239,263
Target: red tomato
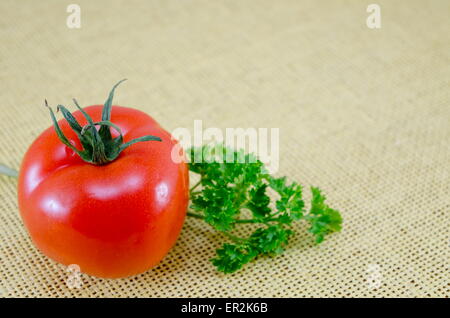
113,220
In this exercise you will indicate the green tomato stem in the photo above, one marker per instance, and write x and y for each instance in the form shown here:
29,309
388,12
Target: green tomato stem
99,147
7,171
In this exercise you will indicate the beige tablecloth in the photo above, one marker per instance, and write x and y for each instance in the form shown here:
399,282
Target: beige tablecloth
363,113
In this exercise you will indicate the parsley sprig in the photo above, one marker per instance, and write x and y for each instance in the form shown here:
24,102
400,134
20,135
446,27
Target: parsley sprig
233,184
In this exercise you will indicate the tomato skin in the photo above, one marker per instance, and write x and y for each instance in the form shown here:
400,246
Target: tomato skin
114,220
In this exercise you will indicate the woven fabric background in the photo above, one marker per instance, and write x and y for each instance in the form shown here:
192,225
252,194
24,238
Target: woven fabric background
363,113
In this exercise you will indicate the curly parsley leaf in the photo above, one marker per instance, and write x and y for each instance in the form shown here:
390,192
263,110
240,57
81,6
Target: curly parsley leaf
231,257
258,201
233,182
323,219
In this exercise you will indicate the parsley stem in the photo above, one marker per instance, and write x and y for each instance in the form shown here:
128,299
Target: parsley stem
195,186
195,215
201,217
256,220
234,237
246,221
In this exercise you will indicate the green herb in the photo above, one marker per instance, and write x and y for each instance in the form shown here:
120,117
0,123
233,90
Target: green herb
233,182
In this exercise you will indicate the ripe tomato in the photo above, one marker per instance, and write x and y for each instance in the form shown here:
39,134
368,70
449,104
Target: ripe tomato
113,220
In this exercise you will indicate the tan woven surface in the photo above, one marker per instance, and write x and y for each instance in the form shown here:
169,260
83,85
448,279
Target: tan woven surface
363,113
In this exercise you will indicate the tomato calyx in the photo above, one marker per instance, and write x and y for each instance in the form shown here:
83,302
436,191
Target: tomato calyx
99,147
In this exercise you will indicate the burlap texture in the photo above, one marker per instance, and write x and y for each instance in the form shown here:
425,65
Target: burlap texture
363,113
